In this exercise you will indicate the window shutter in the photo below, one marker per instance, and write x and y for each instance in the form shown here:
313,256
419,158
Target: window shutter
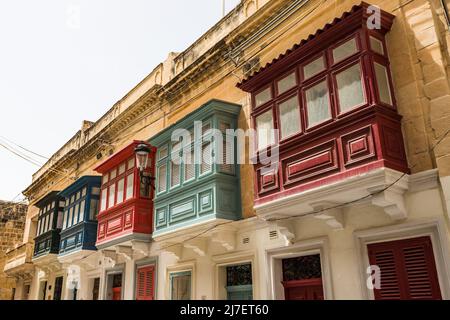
145,283
408,269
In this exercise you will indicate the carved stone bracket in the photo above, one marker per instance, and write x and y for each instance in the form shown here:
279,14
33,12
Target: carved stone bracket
126,252
226,238
330,213
285,229
197,245
174,249
140,247
391,200
109,258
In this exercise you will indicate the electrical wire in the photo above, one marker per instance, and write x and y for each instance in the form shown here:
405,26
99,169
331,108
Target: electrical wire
25,149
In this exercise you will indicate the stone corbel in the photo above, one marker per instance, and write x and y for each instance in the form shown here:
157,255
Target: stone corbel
174,249
226,238
55,266
330,214
391,200
197,245
141,247
109,258
126,252
285,229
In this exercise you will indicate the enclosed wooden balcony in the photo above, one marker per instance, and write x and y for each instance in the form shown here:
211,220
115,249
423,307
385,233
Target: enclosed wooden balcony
49,225
126,205
326,111
18,261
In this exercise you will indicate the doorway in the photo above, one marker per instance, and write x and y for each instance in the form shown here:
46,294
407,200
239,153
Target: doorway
302,278
114,286
95,288
42,290
58,288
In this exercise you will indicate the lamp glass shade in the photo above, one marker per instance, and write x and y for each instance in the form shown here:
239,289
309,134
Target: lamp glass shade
142,151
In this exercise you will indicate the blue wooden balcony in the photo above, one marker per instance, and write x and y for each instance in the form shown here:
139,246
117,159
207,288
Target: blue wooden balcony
79,223
202,188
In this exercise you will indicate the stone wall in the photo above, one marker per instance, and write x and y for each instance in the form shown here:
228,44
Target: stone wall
12,223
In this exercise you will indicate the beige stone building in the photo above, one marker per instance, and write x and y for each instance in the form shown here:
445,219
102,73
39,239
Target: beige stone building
360,97
12,223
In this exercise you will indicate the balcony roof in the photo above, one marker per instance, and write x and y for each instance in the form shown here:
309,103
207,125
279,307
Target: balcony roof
52,195
77,185
115,159
357,17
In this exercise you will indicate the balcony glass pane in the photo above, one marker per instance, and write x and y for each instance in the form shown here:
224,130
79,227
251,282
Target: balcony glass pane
350,88
383,84
174,174
162,177
189,166
206,164
287,83
120,190
376,45
130,186
345,50
289,117
93,209
263,97
82,210
318,104
76,213
314,67
103,203
111,194
264,127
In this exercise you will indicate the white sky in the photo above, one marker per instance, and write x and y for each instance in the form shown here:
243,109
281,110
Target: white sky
57,70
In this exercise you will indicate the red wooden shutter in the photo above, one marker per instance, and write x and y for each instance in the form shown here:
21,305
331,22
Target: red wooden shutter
408,269
145,283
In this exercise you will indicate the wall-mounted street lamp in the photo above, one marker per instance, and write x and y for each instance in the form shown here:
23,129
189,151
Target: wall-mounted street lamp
143,152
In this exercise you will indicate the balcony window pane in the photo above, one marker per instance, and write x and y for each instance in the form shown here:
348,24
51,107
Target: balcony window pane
50,222
83,192
318,104
103,203
144,189
122,168
162,177
105,178
289,117
59,222
286,83
345,50
163,152
82,210
206,164
264,127
130,186
376,45
189,166
93,209
72,199
263,97
38,227
130,163
46,223
69,222
95,191
112,192
113,174
53,204
78,195
350,88
174,174
76,213
66,214
120,186
383,84
313,68
227,165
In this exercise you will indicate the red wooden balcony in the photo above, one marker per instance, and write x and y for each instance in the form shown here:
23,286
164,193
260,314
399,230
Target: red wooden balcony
331,102
126,206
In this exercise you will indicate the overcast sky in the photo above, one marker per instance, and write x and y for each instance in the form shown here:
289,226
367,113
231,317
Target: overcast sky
65,61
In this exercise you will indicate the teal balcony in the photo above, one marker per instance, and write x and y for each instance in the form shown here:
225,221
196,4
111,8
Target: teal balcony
197,175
